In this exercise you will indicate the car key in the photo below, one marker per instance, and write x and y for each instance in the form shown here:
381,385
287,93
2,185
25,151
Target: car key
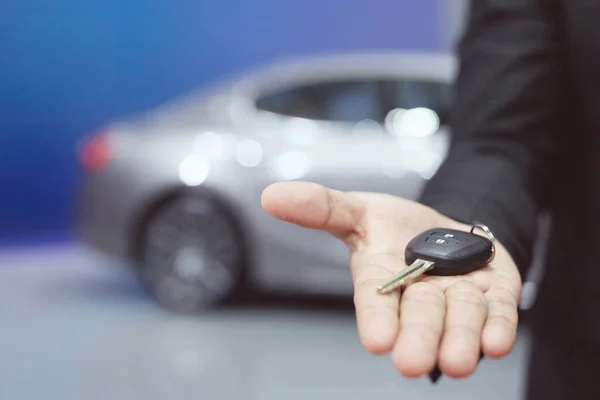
444,252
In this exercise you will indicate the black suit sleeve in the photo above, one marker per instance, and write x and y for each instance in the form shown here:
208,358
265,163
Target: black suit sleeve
505,122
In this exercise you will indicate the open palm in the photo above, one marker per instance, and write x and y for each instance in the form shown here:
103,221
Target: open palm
448,320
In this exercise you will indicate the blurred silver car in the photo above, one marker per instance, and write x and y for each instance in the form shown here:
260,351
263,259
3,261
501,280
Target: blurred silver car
176,191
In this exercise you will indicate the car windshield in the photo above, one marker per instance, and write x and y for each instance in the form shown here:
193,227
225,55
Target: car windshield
355,101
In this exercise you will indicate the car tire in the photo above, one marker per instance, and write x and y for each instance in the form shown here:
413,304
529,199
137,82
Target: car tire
192,254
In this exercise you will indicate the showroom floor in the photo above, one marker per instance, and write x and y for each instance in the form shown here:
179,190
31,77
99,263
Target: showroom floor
74,327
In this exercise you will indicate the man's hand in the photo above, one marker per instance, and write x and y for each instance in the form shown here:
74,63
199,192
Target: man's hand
448,320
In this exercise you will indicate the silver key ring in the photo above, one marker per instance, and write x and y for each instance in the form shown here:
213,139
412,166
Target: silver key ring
490,236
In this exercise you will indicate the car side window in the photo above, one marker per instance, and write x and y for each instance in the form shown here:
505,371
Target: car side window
405,107
415,107
350,101
412,94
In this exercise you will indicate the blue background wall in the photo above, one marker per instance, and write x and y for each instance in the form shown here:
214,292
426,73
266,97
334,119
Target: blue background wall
69,66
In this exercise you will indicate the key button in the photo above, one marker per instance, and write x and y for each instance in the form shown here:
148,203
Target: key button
440,239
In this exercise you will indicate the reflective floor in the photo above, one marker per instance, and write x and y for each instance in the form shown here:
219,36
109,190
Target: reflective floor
74,327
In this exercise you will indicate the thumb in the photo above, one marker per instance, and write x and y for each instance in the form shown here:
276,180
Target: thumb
314,206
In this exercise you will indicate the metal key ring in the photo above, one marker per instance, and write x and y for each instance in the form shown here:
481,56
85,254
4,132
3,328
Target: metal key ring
490,236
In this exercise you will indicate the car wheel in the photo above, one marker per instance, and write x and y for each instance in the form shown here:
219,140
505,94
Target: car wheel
192,254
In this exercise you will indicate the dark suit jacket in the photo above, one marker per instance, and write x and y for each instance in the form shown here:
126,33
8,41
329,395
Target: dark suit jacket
526,127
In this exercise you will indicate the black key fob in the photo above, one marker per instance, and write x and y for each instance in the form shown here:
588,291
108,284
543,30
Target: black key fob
453,252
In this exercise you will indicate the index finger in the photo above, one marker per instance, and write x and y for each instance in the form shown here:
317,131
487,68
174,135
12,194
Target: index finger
376,314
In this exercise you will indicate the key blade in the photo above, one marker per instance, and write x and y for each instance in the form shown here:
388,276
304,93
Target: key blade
427,265
399,279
